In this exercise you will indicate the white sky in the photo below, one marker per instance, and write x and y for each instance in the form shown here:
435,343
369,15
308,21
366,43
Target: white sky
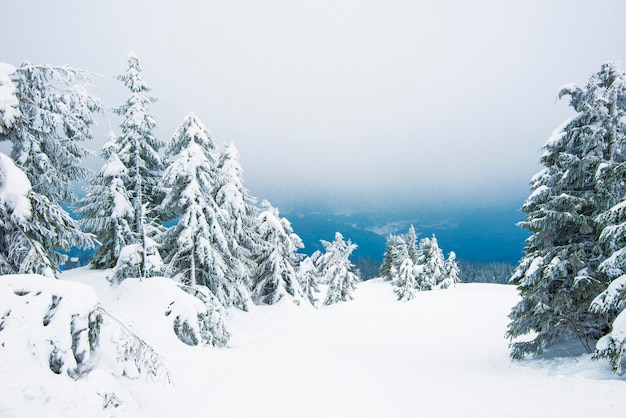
357,103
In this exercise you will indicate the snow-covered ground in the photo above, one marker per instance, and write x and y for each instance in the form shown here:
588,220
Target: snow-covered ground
442,354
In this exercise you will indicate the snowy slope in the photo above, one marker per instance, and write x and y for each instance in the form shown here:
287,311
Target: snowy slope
441,355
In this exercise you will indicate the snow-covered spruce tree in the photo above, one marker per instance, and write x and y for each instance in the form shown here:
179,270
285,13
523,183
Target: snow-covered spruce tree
411,244
559,276
17,254
431,258
611,188
395,254
239,220
401,269
336,270
276,277
138,149
196,249
405,283
188,251
452,272
49,113
106,209
308,277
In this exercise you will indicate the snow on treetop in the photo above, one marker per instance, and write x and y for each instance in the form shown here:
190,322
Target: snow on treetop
14,188
114,167
8,101
132,55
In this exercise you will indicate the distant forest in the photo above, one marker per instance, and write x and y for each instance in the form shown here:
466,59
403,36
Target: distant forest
471,271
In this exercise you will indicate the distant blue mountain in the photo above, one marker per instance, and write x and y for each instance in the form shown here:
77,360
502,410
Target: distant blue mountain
483,235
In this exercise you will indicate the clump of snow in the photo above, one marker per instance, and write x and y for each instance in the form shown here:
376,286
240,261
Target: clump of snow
56,322
14,188
9,105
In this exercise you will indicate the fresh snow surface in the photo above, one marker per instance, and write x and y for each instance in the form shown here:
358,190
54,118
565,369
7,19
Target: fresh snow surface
443,354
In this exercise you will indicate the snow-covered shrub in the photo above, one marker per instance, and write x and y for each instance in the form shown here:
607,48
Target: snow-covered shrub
135,357
131,260
193,313
58,321
613,345
210,328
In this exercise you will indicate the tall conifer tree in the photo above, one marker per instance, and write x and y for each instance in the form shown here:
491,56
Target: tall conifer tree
51,115
138,149
560,274
106,209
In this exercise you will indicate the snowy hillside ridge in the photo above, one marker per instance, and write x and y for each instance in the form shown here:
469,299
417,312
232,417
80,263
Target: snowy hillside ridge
371,357
60,322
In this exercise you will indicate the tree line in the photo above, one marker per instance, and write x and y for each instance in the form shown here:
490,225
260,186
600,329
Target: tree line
220,238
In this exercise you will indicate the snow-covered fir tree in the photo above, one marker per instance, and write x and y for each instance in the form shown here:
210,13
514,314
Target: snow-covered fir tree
16,253
405,281
196,248
106,209
411,244
50,113
411,267
452,272
431,257
335,270
239,214
610,85
276,277
395,253
308,277
138,149
559,276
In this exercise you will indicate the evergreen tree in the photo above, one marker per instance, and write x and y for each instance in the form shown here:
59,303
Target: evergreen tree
395,254
335,269
196,248
431,258
308,277
138,149
49,116
411,244
611,187
275,276
405,284
452,272
559,276
239,220
106,209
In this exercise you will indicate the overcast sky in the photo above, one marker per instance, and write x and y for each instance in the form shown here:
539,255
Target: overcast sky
359,104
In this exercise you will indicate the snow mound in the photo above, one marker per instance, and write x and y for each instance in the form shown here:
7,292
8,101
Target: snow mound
56,322
185,314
